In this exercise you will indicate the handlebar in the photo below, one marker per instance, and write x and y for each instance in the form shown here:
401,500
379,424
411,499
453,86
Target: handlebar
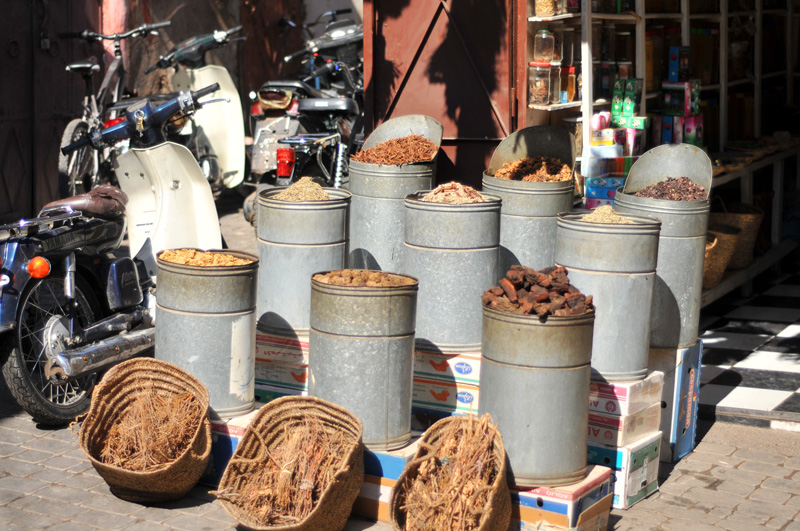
321,71
237,29
87,35
292,56
85,141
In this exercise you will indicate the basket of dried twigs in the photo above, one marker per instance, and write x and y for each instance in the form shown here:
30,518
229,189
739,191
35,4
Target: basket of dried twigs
457,480
719,255
748,219
299,467
147,431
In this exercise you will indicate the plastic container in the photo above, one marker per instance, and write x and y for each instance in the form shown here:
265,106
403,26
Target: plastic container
555,82
578,82
569,83
568,55
558,42
608,44
543,46
538,83
545,8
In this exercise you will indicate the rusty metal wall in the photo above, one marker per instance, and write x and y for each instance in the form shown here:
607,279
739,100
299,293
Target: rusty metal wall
449,59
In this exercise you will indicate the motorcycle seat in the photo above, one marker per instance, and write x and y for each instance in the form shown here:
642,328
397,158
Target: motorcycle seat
328,105
105,201
296,85
87,67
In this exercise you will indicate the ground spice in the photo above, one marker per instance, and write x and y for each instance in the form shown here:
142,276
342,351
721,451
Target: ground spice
363,277
606,214
454,193
194,257
304,189
535,170
398,151
680,189
544,292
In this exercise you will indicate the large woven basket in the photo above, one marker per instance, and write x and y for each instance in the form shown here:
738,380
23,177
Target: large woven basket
116,392
747,218
718,256
267,430
496,514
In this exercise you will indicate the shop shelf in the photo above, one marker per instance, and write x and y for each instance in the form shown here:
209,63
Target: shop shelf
710,86
650,16
555,106
706,16
773,74
628,17
565,16
651,95
742,81
775,11
742,14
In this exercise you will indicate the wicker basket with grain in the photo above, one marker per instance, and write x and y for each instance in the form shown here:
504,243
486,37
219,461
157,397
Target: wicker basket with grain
748,219
299,467
718,256
119,396
458,474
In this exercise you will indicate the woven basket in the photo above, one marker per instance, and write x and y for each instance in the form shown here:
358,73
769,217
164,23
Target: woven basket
718,256
748,219
116,392
496,516
711,243
266,431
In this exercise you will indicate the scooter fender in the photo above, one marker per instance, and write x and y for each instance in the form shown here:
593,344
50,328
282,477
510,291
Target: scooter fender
220,126
169,201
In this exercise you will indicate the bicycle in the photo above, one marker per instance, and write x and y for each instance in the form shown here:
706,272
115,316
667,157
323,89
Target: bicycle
86,168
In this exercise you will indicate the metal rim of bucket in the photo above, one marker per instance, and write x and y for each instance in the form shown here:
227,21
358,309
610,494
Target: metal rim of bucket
522,187
642,225
415,201
670,160
392,170
361,290
535,320
664,206
209,270
338,196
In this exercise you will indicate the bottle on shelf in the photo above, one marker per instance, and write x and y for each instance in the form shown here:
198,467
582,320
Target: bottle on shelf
538,83
543,46
555,82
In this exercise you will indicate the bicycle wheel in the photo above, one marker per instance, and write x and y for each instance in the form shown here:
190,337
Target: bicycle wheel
77,172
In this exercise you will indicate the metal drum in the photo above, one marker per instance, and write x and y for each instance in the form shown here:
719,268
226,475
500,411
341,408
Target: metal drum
205,324
616,264
528,215
377,214
361,356
295,240
675,317
535,384
452,250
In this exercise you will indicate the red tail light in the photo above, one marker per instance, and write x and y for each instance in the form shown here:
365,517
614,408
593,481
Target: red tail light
285,158
113,122
256,109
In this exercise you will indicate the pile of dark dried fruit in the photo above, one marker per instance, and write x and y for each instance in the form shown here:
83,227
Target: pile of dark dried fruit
544,292
397,151
675,189
535,170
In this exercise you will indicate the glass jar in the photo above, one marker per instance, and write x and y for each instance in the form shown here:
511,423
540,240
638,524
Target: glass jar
543,46
538,83
578,82
555,82
624,46
558,42
568,84
545,8
608,43
568,55
625,70
561,7
597,38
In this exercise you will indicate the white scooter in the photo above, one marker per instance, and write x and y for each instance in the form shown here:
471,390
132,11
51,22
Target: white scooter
170,204
216,136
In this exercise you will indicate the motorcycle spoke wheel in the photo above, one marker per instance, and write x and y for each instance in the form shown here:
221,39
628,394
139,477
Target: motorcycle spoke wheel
48,400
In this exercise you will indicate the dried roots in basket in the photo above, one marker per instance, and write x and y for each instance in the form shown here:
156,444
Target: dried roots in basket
452,486
153,432
285,485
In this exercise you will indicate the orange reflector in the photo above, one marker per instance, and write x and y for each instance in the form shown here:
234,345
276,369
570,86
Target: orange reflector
39,267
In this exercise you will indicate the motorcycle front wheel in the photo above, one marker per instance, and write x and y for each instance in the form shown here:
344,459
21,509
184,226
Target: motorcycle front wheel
77,172
47,399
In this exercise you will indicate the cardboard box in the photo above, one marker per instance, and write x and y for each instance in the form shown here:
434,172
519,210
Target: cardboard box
634,473
614,430
608,136
681,368
584,505
608,181
225,437
693,130
451,397
678,66
680,99
464,367
626,398
373,499
632,122
677,131
591,202
600,193
634,142
266,393
282,374
633,97
284,348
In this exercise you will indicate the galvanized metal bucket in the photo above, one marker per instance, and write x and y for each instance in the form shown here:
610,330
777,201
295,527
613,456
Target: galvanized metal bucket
616,264
535,385
205,324
361,356
295,240
377,214
675,316
452,250
528,214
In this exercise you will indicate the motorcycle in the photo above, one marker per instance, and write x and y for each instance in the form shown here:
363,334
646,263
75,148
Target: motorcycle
316,118
217,136
72,303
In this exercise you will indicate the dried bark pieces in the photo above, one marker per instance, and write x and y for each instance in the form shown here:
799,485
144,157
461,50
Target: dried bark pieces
680,189
454,193
535,169
397,151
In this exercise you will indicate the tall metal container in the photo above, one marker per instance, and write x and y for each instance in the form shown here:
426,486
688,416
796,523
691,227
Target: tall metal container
377,214
535,384
529,212
205,324
295,240
616,264
361,356
452,250
675,318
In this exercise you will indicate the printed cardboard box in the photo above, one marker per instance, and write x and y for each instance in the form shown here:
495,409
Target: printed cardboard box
679,398
225,436
680,99
464,367
282,374
592,202
608,136
634,473
693,130
632,122
626,398
605,182
373,499
600,193
266,393
284,348
451,397
613,430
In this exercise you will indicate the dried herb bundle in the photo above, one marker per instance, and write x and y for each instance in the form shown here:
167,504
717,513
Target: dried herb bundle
397,151
451,488
285,486
153,432
535,170
201,258
680,189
